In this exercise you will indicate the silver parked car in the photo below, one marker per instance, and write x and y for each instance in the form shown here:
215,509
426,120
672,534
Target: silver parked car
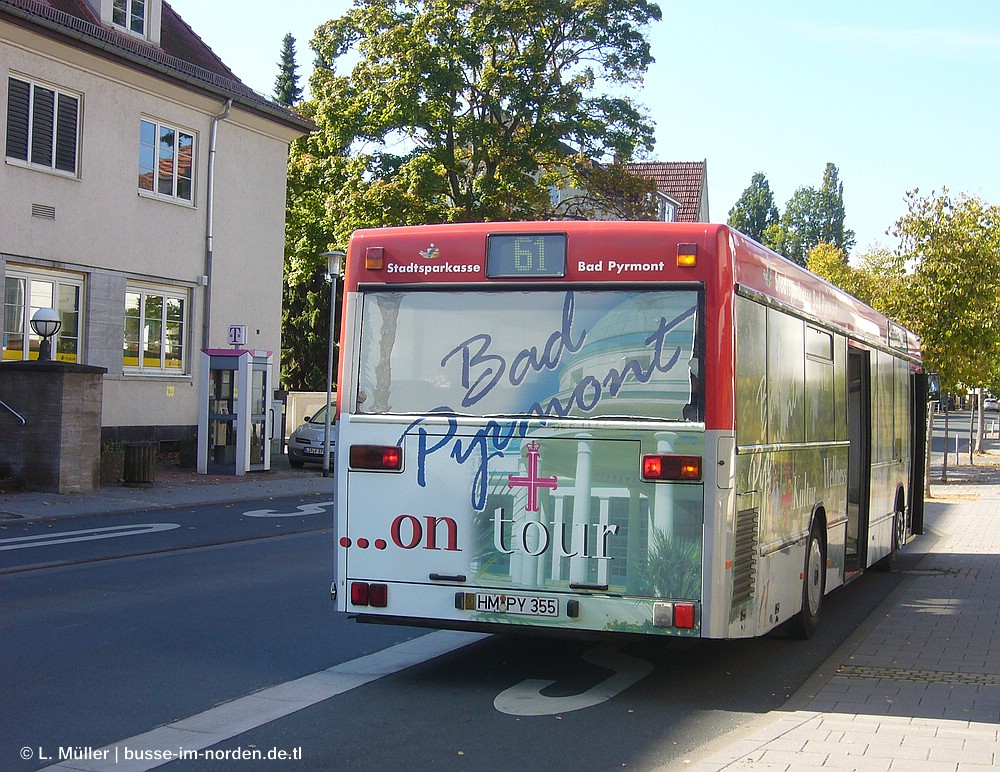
305,444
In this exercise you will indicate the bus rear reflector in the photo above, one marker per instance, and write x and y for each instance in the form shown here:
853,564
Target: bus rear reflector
365,594
387,458
668,467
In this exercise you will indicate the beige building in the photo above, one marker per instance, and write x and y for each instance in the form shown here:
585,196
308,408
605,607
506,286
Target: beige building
143,197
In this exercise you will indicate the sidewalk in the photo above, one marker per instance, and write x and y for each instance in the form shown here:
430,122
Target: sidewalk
174,487
917,687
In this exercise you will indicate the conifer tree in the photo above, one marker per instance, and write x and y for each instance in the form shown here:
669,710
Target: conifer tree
286,85
755,212
813,216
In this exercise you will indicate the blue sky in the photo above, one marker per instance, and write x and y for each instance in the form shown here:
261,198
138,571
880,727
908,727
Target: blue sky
899,94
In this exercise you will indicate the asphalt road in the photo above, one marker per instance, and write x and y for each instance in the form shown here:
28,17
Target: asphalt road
97,653
30,544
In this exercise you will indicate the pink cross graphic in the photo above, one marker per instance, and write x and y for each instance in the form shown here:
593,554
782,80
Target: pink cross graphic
532,482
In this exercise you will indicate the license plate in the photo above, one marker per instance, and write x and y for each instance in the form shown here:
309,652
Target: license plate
313,451
526,605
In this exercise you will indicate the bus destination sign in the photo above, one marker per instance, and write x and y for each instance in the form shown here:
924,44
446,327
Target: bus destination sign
525,255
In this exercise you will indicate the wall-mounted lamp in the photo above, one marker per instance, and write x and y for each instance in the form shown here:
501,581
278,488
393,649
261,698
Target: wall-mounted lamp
46,323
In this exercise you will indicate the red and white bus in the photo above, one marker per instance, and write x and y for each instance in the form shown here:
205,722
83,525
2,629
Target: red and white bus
613,427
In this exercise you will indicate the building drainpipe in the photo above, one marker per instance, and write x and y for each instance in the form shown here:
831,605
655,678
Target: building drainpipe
209,224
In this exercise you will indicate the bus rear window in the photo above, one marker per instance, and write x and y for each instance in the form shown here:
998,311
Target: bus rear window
562,354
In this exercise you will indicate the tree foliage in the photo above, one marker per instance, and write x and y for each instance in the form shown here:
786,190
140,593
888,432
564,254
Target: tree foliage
811,216
286,86
584,189
447,111
477,99
953,244
880,278
941,283
754,213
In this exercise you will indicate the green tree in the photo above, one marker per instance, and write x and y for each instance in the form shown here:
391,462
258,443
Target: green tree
586,190
880,279
432,111
884,282
831,263
755,211
832,213
811,216
286,86
953,245
476,101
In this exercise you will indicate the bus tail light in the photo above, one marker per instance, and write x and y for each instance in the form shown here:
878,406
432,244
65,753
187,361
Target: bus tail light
684,615
369,594
387,458
359,593
679,615
669,467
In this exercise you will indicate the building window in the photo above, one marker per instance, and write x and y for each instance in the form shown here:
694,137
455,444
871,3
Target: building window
666,211
155,323
26,291
42,125
130,14
166,160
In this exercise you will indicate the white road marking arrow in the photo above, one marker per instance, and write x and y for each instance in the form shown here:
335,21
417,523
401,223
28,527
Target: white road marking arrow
305,509
526,699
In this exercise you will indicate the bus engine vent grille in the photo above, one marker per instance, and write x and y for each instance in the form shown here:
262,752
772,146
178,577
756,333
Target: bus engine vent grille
745,556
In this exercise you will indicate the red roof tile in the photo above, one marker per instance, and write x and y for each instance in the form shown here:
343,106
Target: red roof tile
178,39
79,8
683,181
181,53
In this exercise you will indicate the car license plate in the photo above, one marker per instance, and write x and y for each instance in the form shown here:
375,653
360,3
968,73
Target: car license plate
313,451
517,604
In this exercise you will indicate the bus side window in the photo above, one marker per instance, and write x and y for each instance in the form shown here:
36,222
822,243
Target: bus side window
751,372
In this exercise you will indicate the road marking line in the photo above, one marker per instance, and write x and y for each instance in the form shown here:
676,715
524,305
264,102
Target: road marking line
230,719
305,509
109,532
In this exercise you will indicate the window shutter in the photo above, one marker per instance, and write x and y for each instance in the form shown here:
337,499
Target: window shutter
66,131
42,114
18,99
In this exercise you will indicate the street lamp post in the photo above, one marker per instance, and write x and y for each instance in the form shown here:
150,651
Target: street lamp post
335,268
46,323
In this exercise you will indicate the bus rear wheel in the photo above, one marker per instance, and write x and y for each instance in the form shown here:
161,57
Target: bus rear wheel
805,623
888,563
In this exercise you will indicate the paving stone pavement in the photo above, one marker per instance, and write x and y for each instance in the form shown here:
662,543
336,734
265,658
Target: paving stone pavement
917,688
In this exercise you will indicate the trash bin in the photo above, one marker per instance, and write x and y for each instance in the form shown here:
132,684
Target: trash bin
140,464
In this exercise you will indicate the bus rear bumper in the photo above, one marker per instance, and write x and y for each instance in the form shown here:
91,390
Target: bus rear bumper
509,610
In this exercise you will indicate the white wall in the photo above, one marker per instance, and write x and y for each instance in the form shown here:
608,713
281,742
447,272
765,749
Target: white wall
105,229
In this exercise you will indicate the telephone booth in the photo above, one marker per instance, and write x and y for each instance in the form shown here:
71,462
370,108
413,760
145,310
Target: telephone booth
234,427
